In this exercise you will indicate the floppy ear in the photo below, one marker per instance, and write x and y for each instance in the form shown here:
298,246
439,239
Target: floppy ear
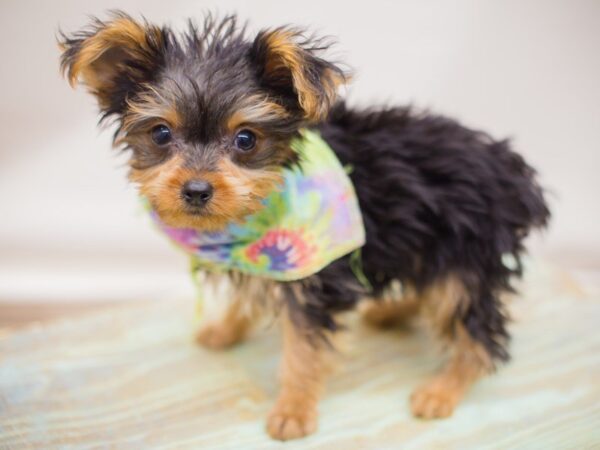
113,58
289,65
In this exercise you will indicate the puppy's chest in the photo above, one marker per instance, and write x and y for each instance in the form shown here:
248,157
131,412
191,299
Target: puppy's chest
252,296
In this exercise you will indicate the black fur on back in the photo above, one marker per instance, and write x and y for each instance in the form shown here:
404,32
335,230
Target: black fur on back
437,199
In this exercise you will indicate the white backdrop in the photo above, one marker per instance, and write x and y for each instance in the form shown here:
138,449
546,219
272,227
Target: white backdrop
70,227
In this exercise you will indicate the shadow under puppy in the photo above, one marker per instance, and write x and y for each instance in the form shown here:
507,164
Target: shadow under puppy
241,149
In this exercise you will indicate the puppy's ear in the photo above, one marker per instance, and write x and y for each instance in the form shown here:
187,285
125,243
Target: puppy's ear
113,58
290,65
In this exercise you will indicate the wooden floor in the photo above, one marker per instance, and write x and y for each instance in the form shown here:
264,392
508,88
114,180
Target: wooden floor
131,377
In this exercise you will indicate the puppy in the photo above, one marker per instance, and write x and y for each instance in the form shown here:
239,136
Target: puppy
289,201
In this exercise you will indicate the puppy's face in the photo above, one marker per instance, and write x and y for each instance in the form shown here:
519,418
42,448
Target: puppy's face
208,116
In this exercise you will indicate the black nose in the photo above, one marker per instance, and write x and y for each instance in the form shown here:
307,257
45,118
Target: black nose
197,193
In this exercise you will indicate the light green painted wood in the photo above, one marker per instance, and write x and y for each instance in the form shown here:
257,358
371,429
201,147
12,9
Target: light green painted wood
133,378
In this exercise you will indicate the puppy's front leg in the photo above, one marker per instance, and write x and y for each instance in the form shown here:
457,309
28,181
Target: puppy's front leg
303,372
227,330
226,312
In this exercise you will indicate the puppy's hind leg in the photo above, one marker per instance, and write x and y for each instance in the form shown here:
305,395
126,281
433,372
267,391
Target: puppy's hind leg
395,307
474,335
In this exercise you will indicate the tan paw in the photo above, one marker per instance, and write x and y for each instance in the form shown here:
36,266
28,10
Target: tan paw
218,336
291,421
432,401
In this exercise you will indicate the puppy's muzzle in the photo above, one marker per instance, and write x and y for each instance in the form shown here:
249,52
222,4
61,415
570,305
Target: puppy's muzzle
197,193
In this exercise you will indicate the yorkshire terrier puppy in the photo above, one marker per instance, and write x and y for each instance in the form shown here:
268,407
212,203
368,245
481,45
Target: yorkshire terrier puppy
290,201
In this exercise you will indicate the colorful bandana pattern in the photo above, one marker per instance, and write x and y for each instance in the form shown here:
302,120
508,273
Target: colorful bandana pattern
313,220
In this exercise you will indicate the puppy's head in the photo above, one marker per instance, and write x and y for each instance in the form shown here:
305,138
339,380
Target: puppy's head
208,115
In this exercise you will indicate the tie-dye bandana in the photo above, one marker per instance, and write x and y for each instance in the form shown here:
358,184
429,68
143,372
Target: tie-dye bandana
313,220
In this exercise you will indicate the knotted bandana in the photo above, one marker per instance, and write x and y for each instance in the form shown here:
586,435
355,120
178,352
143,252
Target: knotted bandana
310,222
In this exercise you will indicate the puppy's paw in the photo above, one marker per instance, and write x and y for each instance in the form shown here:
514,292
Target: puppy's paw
434,401
291,420
219,336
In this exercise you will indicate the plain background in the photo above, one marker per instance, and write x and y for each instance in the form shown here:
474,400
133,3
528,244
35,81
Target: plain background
71,228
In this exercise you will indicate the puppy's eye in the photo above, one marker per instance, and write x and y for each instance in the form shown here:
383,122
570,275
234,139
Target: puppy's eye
245,140
161,135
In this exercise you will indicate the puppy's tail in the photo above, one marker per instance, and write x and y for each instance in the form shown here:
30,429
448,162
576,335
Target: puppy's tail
526,207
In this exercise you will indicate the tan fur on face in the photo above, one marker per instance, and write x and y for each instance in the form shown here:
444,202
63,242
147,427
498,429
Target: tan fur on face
442,305
256,109
286,55
237,192
150,106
